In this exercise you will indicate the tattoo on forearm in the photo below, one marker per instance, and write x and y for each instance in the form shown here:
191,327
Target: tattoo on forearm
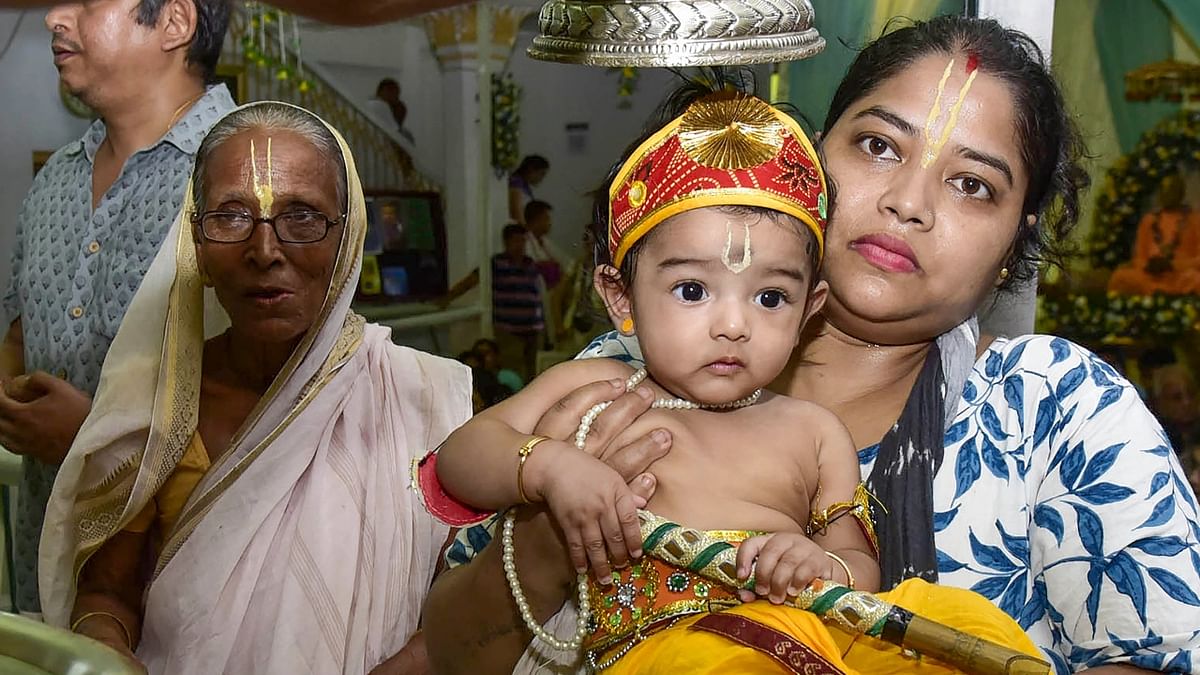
495,634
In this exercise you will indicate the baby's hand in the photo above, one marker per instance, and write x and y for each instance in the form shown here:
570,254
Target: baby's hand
783,564
594,507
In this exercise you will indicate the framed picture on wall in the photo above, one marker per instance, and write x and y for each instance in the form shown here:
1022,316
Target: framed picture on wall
405,247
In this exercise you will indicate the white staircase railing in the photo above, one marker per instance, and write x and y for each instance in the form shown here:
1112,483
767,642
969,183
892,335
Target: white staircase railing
384,157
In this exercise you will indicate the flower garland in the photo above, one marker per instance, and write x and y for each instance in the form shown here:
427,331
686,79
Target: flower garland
1172,145
627,78
266,24
506,123
1096,318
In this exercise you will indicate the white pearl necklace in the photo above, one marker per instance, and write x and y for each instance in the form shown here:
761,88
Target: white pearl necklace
506,537
585,424
514,586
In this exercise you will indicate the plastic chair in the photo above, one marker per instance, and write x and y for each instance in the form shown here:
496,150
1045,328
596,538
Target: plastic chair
10,477
28,647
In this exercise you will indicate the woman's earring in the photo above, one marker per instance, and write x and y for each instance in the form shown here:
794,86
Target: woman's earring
627,325
1003,275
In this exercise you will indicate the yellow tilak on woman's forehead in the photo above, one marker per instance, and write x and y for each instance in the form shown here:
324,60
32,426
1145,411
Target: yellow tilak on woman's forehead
266,197
933,147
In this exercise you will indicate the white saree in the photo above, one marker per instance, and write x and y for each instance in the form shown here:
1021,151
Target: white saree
303,549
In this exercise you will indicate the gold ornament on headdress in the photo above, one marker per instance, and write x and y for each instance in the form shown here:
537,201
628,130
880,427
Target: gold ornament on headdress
731,133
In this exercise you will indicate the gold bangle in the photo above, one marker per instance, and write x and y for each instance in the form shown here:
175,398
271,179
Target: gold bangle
845,567
114,617
523,454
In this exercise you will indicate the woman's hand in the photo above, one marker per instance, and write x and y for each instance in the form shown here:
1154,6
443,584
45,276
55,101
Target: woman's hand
633,460
593,505
471,622
108,632
783,564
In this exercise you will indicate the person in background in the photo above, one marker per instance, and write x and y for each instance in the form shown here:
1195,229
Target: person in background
489,356
517,312
486,389
1172,397
530,172
552,263
93,220
354,13
387,95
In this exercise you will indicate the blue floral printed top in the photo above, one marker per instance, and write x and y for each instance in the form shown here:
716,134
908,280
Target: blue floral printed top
1059,499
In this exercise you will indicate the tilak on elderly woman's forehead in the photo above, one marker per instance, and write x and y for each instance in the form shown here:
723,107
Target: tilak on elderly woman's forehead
262,190
933,146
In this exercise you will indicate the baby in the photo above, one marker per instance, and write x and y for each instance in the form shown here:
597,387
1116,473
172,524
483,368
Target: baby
715,235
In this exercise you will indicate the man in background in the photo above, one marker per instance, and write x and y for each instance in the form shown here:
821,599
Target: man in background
93,221
343,13
517,315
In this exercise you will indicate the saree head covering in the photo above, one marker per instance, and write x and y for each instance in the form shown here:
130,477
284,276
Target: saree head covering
726,149
300,550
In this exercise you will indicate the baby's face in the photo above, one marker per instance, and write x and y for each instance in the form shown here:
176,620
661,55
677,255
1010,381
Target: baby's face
719,301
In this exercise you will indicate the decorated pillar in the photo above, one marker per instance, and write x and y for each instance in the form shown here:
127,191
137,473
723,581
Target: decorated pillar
1012,313
471,42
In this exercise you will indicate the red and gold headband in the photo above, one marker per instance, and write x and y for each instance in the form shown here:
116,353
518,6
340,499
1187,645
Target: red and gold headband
727,149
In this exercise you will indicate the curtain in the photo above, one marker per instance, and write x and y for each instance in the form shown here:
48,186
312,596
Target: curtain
846,25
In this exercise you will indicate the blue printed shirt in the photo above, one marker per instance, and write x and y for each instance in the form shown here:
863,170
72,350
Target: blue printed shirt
75,270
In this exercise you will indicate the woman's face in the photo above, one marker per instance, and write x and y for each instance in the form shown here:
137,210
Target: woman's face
929,196
272,291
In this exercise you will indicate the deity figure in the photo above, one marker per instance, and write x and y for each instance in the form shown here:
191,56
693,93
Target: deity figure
1166,254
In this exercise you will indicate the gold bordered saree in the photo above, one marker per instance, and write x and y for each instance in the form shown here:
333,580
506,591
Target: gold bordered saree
301,550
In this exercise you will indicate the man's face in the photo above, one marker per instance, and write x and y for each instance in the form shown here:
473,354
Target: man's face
101,50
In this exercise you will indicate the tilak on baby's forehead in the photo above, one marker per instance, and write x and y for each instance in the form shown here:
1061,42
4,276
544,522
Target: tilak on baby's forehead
738,266
262,190
933,146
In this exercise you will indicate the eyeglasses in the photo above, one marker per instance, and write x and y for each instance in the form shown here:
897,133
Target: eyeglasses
293,227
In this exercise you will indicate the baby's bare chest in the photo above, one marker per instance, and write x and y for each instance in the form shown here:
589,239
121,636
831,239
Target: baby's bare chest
730,471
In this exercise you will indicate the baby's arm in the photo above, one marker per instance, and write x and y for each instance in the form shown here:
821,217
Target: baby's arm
784,563
479,464
840,476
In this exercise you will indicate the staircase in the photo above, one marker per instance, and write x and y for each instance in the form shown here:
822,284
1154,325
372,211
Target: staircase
251,69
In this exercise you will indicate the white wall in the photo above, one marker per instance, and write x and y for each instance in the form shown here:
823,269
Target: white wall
556,95
31,116
359,58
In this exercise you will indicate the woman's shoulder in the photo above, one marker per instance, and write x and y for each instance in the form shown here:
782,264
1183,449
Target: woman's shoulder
613,345
1049,383
1069,367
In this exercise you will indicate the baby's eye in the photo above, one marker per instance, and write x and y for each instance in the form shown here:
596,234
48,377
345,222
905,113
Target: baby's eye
772,299
690,291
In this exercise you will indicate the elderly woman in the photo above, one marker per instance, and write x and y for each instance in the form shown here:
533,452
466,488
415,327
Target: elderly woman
235,502
1025,469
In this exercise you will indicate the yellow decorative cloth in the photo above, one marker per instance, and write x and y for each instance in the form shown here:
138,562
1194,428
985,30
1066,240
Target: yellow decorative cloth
163,511
645,596
682,649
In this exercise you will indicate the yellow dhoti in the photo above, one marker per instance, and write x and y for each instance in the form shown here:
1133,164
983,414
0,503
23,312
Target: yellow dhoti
684,649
